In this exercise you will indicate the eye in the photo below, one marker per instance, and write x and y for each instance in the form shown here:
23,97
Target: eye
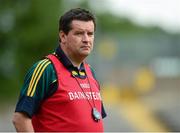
90,33
79,33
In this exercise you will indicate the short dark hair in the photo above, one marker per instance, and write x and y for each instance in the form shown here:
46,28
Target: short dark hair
75,14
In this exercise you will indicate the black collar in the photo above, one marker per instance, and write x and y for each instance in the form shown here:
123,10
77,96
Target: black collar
66,62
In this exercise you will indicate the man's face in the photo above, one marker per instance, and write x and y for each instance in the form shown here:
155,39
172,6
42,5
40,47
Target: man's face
79,41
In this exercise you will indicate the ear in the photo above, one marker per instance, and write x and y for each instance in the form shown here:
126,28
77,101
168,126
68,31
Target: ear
62,36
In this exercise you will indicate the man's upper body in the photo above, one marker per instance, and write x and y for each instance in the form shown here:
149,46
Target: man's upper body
61,91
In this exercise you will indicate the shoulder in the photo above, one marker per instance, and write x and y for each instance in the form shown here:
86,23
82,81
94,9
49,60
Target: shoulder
91,69
42,72
37,86
41,66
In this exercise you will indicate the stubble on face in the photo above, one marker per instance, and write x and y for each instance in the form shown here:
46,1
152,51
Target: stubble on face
78,43
80,39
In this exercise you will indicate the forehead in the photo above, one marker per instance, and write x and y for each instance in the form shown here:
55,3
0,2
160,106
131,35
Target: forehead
82,25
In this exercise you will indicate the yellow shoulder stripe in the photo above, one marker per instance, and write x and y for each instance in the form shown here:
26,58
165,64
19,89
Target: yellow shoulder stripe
54,81
36,72
32,78
34,88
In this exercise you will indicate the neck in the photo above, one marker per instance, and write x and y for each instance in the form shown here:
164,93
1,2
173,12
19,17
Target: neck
75,60
76,64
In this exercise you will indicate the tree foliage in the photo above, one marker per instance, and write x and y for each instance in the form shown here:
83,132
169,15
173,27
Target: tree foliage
28,31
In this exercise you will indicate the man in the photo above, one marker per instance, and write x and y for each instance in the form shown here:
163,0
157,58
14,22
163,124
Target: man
60,92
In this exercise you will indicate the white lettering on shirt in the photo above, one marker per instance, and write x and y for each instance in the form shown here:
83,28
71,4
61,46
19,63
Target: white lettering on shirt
85,85
86,95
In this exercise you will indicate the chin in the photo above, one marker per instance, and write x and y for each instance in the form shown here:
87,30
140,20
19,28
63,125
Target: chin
85,53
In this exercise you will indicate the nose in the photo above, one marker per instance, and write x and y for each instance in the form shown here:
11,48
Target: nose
85,38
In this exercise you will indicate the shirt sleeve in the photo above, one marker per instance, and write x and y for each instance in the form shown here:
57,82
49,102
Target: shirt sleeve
103,112
38,80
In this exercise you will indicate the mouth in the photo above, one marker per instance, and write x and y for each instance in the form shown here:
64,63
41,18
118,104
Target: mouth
86,47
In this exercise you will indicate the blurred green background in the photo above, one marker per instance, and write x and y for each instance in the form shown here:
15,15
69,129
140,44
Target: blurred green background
138,66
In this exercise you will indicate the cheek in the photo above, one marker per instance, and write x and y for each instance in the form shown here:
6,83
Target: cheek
92,46
73,39
92,40
73,43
